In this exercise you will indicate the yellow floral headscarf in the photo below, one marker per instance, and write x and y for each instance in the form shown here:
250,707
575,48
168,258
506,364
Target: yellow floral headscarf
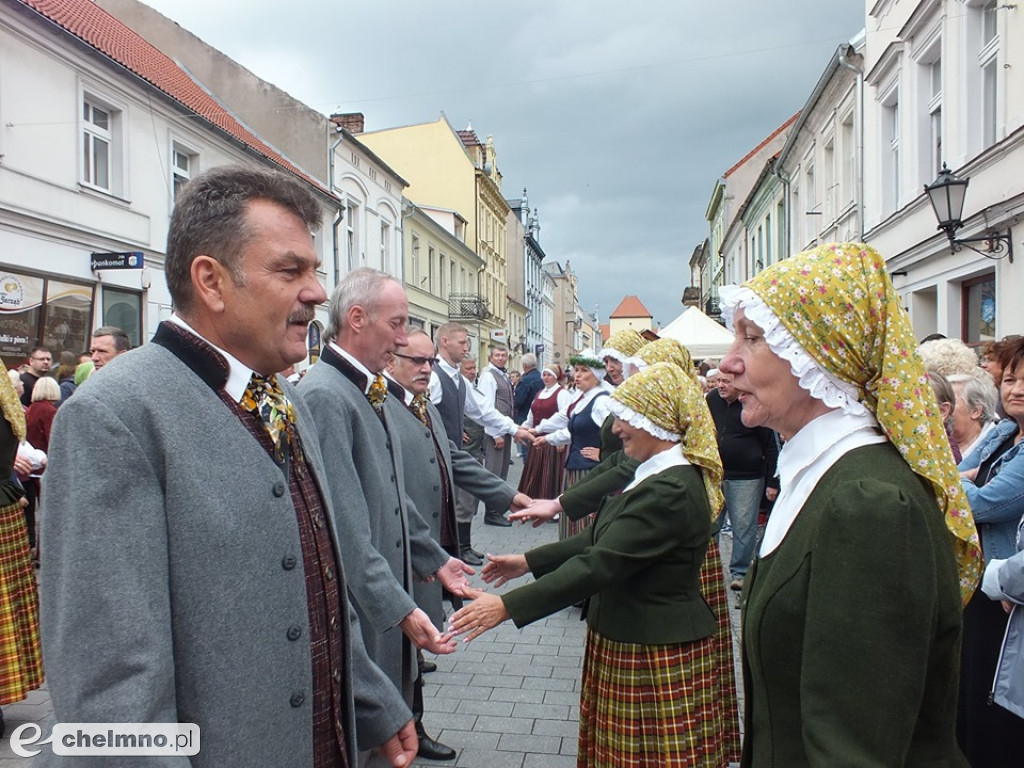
663,401
840,306
668,351
12,408
623,345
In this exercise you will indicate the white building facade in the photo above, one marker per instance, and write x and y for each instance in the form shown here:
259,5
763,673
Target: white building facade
947,87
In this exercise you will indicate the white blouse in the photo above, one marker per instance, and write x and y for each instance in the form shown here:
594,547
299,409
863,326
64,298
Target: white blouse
805,459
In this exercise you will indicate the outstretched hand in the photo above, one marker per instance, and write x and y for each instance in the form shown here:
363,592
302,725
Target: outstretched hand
452,576
422,633
503,568
520,501
485,612
540,511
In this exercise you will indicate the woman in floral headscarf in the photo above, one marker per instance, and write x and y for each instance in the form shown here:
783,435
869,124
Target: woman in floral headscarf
648,695
852,607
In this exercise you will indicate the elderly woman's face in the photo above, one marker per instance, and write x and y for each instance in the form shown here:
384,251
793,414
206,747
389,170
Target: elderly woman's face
585,378
1012,393
965,418
614,370
636,443
764,384
549,379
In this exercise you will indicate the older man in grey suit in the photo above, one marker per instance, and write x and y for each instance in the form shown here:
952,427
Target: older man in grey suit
384,535
433,466
194,568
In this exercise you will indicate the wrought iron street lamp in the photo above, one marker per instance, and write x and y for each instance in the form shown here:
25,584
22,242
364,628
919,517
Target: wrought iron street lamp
947,194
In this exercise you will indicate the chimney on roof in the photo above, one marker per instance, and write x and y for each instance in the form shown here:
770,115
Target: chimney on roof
352,122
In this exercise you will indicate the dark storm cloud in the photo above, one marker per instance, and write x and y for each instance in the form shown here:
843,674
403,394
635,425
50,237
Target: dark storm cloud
617,117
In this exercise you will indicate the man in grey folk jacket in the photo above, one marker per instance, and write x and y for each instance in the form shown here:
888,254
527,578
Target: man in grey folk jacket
433,466
194,569
383,535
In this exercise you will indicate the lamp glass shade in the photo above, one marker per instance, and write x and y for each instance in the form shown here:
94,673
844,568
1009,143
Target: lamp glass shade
947,195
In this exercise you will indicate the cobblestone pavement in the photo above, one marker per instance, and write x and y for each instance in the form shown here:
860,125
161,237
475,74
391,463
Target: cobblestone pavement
509,699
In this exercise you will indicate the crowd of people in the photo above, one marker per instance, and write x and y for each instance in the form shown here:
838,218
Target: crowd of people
273,555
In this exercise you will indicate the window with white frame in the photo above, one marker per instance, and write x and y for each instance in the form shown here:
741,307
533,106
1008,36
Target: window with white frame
934,118
848,148
890,146
829,169
811,207
927,113
415,261
184,165
352,235
983,73
102,149
385,245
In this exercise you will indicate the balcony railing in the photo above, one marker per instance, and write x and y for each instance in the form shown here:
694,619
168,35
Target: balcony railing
468,306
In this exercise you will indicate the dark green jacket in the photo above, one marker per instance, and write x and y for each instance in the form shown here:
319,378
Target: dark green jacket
851,627
614,473
640,562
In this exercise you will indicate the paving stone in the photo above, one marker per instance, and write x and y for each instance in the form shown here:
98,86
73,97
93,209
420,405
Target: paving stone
547,711
564,728
549,761
476,758
435,679
514,742
489,707
459,692
474,739
535,696
521,725
527,669
503,681
552,683
569,745
569,698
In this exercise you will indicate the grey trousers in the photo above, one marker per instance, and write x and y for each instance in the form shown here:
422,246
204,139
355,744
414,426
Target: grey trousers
496,461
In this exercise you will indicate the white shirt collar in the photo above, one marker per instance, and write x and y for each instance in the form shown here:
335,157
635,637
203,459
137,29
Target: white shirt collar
355,364
805,459
547,392
659,462
239,374
451,370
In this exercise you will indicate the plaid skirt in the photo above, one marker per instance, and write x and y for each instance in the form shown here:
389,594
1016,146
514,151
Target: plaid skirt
712,587
567,527
650,706
21,660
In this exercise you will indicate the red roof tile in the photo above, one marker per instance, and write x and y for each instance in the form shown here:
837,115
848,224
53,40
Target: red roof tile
469,138
606,330
94,26
631,306
760,146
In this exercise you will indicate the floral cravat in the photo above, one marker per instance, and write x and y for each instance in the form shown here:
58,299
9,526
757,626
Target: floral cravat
264,398
378,393
419,408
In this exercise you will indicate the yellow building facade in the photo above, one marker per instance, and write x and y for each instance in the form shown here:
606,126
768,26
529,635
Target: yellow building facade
453,170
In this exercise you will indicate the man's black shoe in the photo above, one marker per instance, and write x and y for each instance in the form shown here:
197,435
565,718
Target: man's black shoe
496,518
430,749
426,667
470,556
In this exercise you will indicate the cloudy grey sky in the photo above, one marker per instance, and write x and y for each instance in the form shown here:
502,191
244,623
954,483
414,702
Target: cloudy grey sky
617,117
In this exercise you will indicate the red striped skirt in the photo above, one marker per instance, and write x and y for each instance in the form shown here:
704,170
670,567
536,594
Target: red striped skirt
543,471
21,661
650,706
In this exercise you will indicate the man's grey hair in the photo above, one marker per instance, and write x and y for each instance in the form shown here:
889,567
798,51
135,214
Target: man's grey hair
529,361
978,392
361,287
121,341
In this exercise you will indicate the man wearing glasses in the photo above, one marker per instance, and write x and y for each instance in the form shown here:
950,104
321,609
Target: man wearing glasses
39,362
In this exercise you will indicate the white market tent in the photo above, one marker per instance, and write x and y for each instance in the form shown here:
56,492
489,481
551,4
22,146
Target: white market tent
699,334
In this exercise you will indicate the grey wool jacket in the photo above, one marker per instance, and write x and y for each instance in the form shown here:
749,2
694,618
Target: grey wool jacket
383,541
423,479
167,594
